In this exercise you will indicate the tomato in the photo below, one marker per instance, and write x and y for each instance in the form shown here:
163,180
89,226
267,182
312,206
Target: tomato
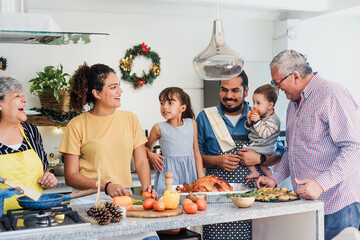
186,201
201,204
191,208
147,194
148,203
159,206
124,201
254,111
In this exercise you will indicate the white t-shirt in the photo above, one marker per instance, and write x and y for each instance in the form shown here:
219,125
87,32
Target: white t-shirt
233,119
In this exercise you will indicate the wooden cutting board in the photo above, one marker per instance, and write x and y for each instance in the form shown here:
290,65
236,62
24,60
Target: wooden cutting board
139,212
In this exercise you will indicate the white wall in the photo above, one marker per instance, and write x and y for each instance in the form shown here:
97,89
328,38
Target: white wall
177,38
331,44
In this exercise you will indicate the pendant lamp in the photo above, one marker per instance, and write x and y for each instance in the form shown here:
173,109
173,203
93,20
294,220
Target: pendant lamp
218,61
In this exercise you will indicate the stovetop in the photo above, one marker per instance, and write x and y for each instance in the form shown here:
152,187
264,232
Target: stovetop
20,219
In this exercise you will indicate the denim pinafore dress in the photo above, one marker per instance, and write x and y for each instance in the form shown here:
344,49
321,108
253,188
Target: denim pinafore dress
177,147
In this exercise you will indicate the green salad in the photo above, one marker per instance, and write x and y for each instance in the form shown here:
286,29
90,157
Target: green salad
250,194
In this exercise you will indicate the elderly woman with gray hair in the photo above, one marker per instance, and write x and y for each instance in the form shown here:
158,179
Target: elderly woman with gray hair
22,156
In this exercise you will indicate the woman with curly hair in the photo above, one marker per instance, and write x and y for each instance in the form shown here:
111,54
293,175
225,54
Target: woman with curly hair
102,134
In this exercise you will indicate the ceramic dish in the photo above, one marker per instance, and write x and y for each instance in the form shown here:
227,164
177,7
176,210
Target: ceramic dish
243,202
275,195
217,196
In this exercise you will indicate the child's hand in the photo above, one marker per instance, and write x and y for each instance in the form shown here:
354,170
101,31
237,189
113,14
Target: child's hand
255,117
248,116
156,161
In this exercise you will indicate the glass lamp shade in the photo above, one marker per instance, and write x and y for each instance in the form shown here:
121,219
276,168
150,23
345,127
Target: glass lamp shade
218,61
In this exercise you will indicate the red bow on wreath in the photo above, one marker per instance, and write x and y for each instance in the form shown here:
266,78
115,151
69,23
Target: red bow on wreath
140,82
144,49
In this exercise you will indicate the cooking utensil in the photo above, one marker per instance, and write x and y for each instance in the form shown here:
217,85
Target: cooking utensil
134,196
51,199
31,193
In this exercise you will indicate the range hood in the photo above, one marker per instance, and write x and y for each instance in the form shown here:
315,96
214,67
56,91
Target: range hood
18,26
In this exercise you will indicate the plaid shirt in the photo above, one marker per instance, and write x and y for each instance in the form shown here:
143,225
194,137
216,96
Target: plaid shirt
323,143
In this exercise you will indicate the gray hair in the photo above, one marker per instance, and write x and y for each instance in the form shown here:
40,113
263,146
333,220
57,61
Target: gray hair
289,61
8,84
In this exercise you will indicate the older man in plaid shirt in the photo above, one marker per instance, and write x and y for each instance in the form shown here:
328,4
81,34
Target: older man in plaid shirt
323,141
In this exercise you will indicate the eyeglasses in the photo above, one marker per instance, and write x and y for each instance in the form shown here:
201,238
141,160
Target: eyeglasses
276,84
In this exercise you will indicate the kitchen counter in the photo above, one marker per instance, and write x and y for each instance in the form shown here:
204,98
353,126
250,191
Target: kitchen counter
61,187
301,219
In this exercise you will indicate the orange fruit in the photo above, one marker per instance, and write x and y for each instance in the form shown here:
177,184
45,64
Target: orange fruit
201,204
191,208
186,201
159,206
148,203
254,111
147,194
124,201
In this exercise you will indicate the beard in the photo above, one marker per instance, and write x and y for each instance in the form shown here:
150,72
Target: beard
233,109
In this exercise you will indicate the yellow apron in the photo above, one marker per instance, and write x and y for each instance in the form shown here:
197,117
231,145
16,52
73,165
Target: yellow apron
24,168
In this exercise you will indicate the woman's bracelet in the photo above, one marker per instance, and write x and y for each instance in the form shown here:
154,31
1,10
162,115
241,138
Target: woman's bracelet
106,186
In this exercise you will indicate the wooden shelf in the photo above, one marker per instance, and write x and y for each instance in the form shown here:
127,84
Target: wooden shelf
42,121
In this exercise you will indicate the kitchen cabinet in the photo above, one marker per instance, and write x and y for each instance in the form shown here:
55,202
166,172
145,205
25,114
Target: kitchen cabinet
42,121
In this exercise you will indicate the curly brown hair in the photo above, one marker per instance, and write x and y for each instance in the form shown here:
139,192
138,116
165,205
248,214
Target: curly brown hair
84,80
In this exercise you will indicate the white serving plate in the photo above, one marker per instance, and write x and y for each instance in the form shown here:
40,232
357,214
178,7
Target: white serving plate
214,197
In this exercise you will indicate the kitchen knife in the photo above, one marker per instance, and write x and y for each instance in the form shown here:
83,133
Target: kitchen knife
138,197
31,193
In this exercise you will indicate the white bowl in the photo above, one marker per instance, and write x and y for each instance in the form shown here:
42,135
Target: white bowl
243,202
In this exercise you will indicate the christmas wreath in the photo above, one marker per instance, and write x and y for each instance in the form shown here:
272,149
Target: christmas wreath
126,64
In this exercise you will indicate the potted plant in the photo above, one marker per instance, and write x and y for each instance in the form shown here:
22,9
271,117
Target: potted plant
52,87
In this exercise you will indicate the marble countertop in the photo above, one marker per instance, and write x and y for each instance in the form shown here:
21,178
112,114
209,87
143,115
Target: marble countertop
215,213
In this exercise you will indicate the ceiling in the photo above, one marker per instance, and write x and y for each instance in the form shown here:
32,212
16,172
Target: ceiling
265,9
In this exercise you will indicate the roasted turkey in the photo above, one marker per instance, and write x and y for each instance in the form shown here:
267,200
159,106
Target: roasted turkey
209,183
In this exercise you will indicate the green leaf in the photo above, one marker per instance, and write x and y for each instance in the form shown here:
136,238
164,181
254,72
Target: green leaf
50,80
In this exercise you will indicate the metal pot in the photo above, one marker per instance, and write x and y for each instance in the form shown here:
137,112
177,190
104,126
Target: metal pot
59,169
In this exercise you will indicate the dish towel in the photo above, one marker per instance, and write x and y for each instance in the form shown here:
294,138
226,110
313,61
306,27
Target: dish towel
219,128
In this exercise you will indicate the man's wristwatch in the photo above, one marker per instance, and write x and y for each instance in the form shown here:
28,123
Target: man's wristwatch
262,158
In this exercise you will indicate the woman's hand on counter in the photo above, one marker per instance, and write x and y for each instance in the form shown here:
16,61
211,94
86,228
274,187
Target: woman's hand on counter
115,190
48,180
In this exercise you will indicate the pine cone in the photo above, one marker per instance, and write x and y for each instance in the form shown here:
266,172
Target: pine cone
115,211
102,217
105,213
107,204
92,211
116,219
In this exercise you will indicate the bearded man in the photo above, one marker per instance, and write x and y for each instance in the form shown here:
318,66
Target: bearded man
222,141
